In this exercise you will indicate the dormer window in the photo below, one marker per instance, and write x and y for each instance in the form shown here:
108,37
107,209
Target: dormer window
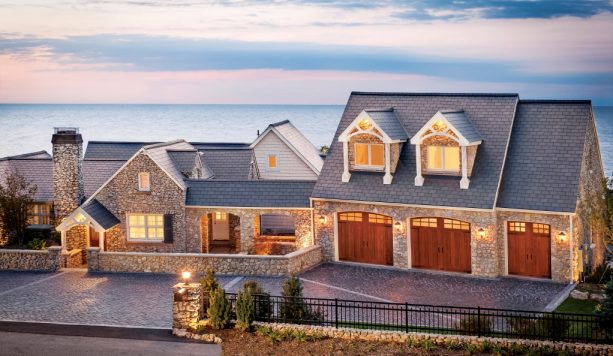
144,182
369,156
443,159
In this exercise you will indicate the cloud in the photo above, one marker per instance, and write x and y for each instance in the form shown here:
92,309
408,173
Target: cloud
161,53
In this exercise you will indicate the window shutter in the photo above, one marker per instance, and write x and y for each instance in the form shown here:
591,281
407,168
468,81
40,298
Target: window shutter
168,228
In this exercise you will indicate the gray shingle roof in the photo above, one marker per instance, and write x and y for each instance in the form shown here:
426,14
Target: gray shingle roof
388,122
254,193
459,120
159,153
97,172
100,213
545,154
184,160
228,164
112,150
492,116
38,171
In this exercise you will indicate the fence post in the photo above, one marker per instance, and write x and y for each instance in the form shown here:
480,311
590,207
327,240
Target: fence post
406,317
552,325
336,313
478,321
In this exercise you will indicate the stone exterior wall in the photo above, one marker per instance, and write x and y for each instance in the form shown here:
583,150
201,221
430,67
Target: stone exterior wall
197,228
31,260
121,197
590,189
67,178
290,264
73,258
186,304
488,253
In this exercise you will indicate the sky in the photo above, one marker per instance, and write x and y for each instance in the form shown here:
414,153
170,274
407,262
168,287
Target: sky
301,52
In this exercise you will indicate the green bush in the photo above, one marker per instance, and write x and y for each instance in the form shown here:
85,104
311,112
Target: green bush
472,324
601,274
293,308
606,310
219,309
244,310
539,326
208,283
262,304
36,244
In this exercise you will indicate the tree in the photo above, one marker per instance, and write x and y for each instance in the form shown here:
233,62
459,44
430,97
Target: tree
245,311
606,309
16,194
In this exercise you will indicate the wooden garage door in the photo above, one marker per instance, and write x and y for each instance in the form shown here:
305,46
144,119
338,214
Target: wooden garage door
365,237
529,249
442,244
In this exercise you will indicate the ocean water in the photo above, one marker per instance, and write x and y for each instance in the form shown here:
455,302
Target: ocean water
26,128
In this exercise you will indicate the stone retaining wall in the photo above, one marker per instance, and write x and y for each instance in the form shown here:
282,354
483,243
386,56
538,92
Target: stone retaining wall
441,340
72,258
286,265
31,260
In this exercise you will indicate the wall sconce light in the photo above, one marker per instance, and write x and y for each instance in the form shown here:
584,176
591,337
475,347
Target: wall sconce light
562,236
398,226
187,275
323,219
481,232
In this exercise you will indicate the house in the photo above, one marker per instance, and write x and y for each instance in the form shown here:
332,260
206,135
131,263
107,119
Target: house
485,184
482,184
177,196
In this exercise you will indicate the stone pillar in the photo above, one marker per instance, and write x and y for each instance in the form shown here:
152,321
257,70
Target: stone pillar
55,257
247,231
187,301
93,254
67,174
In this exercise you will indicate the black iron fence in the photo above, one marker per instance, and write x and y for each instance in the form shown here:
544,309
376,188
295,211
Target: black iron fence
406,317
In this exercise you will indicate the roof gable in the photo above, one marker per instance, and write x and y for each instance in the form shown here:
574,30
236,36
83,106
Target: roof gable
379,122
454,120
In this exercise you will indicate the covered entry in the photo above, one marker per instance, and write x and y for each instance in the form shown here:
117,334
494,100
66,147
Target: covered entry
441,244
365,237
529,249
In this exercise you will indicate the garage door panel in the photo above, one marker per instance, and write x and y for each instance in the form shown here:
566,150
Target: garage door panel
528,249
363,241
436,247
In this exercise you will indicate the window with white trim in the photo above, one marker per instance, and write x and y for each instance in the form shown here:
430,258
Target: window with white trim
369,155
445,159
272,161
146,227
144,182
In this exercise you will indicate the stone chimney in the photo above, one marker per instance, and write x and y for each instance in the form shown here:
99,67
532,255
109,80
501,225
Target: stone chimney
68,191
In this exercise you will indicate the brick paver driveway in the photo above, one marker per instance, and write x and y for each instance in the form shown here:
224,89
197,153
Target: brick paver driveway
144,300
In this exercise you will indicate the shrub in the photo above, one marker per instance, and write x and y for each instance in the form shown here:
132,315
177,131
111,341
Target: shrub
293,308
600,274
539,326
606,309
219,309
470,349
208,283
472,324
452,345
36,244
263,307
244,310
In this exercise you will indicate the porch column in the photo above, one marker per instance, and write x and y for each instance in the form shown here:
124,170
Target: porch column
387,178
346,174
63,240
101,240
465,181
419,179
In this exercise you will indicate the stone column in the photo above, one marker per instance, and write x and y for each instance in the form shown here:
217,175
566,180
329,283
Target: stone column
55,257
93,262
246,241
187,301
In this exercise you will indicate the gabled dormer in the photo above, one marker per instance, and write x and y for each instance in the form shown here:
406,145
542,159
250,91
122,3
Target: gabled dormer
372,142
446,145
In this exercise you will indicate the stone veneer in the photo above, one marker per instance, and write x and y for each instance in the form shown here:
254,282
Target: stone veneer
31,260
121,197
488,254
197,230
186,304
286,265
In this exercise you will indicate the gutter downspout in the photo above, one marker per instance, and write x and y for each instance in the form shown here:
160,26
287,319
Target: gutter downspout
570,233
312,223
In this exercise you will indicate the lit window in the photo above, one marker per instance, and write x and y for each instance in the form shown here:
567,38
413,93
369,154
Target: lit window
443,158
369,155
540,229
277,225
379,219
272,161
515,226
424,222
219,216
350,217
456,224
144,182
146,227
39,214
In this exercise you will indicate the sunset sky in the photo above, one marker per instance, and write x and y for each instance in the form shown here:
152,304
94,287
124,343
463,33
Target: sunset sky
300,52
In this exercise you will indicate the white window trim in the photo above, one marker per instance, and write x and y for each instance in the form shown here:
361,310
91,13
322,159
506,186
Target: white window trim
146,227
272,169
141,188
369,167
442,170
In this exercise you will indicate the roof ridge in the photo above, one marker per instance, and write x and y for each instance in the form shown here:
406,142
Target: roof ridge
162,144
24,156
181,150
451,111
279,123
555,101
390,109
133,142
432,94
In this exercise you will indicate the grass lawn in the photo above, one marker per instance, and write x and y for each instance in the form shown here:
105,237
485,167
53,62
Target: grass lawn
577,306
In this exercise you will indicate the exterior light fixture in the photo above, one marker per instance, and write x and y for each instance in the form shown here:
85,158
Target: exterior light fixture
562,236
187,275
398,226
365,124
481,232
322,219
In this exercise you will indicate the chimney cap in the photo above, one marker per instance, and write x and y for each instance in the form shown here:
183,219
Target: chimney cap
66,130
66,135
